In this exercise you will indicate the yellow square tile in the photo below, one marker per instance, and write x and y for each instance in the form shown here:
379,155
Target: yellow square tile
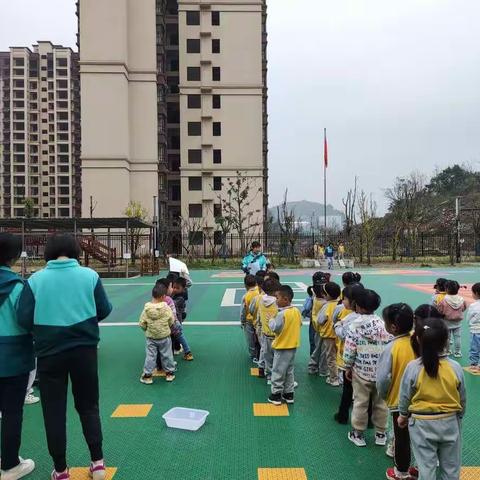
269,410
158,373
467,369
470,473
282,474
130,411
77,473
254,372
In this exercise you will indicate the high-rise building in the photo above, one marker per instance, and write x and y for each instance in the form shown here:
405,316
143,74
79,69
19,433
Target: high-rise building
40,132
173,103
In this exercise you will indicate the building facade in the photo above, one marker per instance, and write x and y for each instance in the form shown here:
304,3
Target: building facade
40,132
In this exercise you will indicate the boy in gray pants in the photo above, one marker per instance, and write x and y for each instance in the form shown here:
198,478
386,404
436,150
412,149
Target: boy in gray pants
286,326
156,320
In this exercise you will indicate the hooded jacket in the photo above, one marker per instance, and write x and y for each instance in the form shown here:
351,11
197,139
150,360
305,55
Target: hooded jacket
16,344
156,320
366,339
267,310
473,315
452,308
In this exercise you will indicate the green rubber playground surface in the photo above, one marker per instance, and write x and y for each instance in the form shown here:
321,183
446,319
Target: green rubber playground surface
233,444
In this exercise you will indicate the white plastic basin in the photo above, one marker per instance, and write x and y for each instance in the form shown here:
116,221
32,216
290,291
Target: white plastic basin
185,418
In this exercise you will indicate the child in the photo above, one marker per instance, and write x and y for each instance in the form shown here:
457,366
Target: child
344,316
178,335
397,355
350,278
16,361
473,316
422,312
324,321
267,309
179,287
440,292
156,320
168,284
317,364
365,341
246,318
330,253
286,326
432,394
307,314
452,308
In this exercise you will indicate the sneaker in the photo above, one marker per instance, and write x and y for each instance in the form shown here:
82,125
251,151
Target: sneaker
413,472
288,397
255,361
393,474
61,476
295,384
457,355
275,398
313,372
323,375
97,472
340,420
177,352
390,451
475,368
357,438
169,377
380,439
146,379
31,399
269,382
23,468
261,373
333,383
188,357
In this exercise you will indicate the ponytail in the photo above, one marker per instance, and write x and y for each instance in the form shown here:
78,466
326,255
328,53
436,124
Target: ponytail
350,278
432,336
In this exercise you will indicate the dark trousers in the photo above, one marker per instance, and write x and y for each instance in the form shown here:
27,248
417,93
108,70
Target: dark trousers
12,399
80,364
346,401
402,455
311,337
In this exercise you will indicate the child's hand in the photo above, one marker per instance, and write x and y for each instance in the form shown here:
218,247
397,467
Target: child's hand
348,374
402,421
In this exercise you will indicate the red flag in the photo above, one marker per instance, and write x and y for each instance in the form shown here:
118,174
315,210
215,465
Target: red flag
325,147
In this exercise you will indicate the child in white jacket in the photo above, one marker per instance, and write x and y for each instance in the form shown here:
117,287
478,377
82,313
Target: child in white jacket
473,317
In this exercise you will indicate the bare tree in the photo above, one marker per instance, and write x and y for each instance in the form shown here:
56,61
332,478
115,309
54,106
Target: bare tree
289,227
225,224
349,209
367,210
192,235
137,211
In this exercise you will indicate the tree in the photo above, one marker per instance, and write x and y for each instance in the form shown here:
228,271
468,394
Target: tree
192,235
135,210
349,209
367,211
225,224
28,208
238,206
289,227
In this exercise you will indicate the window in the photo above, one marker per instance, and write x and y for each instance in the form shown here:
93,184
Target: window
215,18
217,156
195,183
195,238
194,156
194,101
193,45
216,101
217,183
61,62
195,210
216,74
193,74
193,18
217,210
215,45
194,129
217,129
217,238
19,61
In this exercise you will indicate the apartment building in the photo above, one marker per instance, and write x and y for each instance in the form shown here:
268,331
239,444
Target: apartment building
40,132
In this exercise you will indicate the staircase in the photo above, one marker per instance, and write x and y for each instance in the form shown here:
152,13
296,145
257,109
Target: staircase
99,251
323,265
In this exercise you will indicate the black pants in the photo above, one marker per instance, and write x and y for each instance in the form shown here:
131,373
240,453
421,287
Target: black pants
80,364
347,400
402,455
12,399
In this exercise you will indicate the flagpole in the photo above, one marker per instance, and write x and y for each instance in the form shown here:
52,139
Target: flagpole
325,186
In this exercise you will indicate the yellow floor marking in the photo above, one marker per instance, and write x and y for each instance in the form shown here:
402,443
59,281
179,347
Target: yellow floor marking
470,473
471,372
130,411
282,474
77,473
254,372
269,410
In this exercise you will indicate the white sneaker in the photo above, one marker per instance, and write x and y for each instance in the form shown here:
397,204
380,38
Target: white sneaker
333,383
31,399
269,382
390,451
357,438
380,439
21,470
295,384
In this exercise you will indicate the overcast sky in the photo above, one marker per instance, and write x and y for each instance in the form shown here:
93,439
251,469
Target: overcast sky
397,85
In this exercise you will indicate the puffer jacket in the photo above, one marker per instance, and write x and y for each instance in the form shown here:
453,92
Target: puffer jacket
156,320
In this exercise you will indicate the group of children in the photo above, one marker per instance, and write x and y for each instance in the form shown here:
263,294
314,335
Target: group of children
162,319
393,366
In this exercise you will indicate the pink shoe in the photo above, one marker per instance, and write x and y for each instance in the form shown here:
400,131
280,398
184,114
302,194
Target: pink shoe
61,476
97,472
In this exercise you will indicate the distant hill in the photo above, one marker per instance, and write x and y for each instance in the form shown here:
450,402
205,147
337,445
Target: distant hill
304,210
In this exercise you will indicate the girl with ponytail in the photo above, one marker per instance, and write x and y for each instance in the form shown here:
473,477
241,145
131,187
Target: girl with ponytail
432,403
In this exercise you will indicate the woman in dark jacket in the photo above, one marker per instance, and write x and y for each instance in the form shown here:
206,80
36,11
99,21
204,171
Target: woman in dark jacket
62,305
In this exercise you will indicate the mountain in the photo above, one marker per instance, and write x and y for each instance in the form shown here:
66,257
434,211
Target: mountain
304,210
